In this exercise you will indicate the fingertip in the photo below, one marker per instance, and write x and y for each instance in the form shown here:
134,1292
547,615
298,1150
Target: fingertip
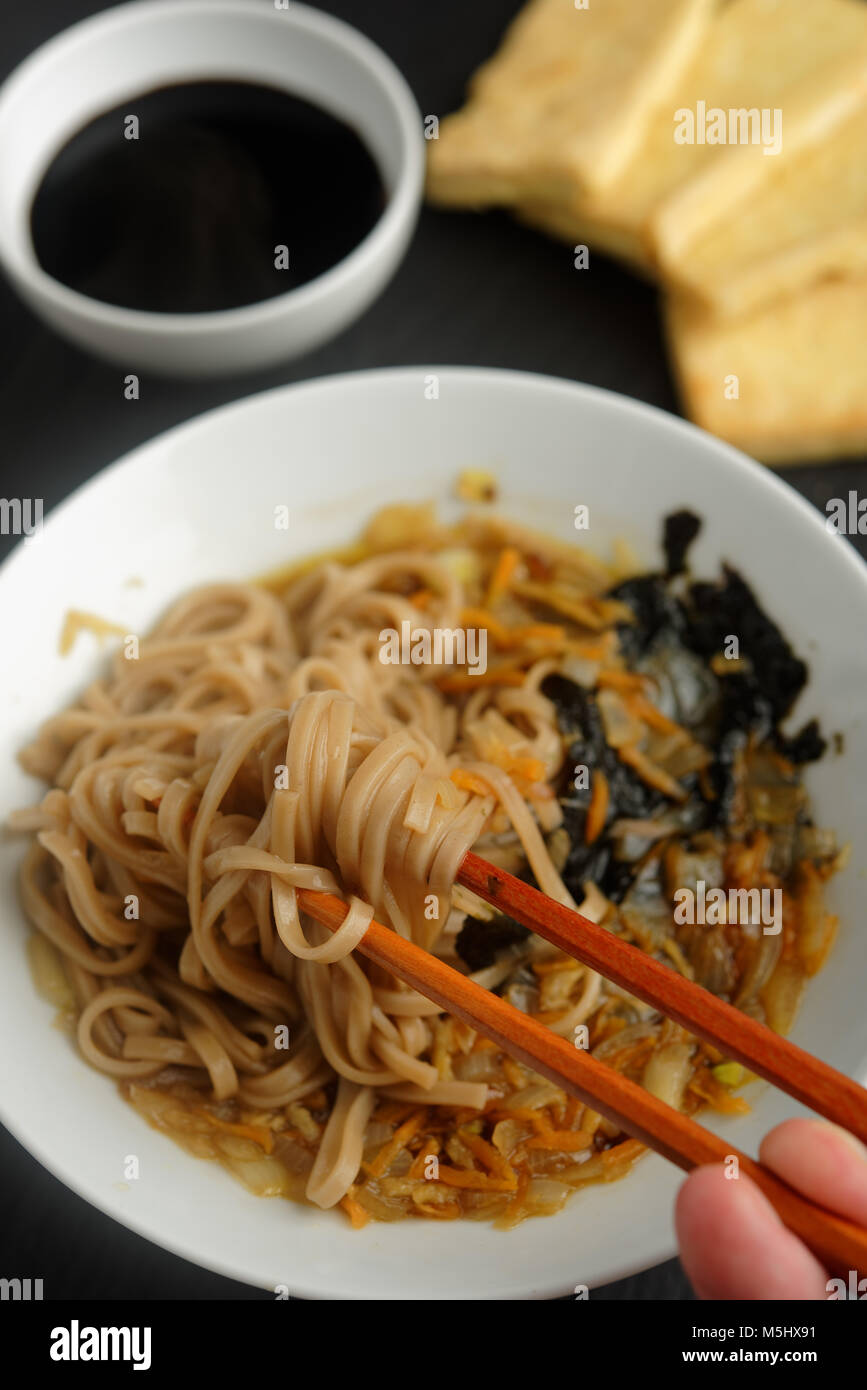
823,1161
734,1246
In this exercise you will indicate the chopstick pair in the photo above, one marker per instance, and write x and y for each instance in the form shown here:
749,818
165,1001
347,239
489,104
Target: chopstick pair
839,1244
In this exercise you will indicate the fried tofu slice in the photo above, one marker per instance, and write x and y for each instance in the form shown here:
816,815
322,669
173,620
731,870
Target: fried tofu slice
562,106
806,59
785,384
807,223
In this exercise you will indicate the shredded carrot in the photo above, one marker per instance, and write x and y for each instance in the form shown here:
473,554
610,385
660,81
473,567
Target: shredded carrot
393,1112
503,572
645,709
539,632
481,617
356,1213
590,651
717,1096
399,1140
513,1074
521,1112
486,1153
651,774
258,1133
598,809
469,782
562,1140
622,1154
501,1176
628,682
478,1182
515,1203
584,611
509,638
429,1149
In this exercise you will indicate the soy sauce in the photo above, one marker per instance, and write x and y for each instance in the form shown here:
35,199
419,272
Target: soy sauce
186,217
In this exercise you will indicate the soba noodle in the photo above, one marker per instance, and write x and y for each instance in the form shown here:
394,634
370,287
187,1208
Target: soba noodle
253,746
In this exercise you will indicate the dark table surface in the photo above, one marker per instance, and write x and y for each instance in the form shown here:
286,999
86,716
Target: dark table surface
472,290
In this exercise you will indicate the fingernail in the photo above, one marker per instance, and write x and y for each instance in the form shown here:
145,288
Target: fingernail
851,1139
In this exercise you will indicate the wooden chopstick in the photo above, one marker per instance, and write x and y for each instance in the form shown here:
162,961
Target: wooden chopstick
839,1244
757,1047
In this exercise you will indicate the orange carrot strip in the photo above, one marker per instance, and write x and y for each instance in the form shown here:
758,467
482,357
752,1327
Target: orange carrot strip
629,682
487,1154
473,1179
469,782
562,1140
513,1074
645,709
392,1147
598,810
501,577
356,1213
258,1133
429,1149
480,617
539,632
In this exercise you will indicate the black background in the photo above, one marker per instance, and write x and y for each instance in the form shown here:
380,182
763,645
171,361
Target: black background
472,290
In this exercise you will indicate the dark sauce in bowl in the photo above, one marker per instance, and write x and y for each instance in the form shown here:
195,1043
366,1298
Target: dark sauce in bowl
193,215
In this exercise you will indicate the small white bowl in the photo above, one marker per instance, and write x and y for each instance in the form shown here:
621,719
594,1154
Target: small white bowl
124,52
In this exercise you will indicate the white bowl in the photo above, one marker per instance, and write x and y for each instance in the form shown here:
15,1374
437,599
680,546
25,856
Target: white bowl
124,52
180,511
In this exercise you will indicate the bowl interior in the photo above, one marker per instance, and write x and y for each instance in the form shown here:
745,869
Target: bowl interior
199,504
127,51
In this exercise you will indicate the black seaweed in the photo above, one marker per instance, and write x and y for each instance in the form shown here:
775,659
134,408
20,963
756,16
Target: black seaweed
479,943
751,703
656,610
806,746
578,716
679,531
729,608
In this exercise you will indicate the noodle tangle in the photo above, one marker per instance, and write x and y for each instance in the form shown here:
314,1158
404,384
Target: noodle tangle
257,745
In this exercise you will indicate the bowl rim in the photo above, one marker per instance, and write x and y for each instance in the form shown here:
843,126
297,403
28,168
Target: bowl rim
716,454
403,200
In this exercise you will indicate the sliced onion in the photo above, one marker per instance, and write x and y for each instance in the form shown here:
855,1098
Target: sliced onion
546,1195
625,1038
782,995
667,1072
760,968
477,1066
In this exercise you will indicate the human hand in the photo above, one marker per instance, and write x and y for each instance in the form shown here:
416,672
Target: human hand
732,1243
